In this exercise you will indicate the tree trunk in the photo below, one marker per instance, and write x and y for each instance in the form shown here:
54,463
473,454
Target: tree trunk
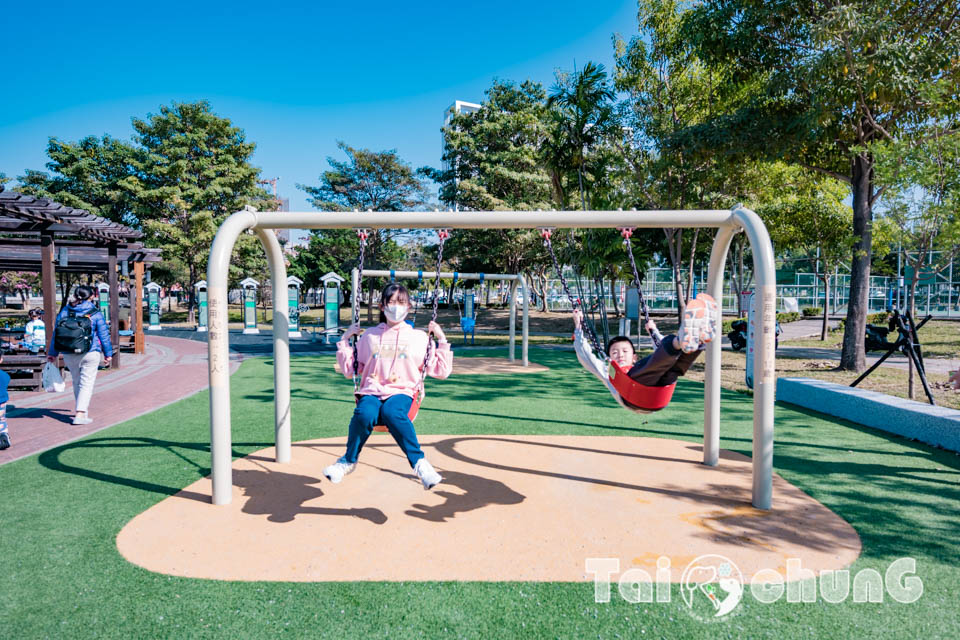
853,356
826,302
693,251
674,246
912,306
369,303
191,307
613,296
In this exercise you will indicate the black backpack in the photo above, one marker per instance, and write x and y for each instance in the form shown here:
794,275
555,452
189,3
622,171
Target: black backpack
74,334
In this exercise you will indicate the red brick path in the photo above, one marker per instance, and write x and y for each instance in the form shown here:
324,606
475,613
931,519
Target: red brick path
170,370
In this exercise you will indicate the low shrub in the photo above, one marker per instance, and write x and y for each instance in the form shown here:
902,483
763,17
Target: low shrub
810,312
728,324
788,316
878,318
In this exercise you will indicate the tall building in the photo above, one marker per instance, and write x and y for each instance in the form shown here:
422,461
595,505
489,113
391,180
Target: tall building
459,106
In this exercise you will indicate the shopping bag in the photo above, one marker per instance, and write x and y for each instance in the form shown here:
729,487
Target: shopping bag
51,379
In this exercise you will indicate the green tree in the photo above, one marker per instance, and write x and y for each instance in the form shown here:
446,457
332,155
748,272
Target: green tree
193,170
667,89
375,180
815,84
89,174
327,250
922,170
582,114
809,217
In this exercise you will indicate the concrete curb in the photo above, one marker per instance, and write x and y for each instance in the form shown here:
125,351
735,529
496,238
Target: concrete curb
938,426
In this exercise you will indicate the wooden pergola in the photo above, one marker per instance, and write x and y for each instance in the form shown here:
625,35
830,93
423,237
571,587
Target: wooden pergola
33,229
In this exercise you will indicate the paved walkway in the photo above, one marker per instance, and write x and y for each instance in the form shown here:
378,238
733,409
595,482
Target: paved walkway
170,370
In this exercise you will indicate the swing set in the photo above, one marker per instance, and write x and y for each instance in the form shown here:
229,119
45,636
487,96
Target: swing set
727,223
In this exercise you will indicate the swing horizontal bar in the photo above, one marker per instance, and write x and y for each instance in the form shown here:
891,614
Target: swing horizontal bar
380,273
493,219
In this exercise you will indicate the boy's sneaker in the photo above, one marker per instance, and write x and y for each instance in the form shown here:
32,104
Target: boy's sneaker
427,474
4,441
710,331
77,420
338,469
698,326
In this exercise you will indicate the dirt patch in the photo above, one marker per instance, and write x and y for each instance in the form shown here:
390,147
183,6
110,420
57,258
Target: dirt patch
510,508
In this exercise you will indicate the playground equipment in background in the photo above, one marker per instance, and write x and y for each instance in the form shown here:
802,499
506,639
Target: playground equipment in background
468,315
907,343
518,296
727,223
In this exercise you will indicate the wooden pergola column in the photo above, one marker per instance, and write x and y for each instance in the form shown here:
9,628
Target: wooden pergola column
114,303
136,312
48,281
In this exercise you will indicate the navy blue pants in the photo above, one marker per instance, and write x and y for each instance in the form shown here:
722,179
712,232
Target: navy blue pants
391,413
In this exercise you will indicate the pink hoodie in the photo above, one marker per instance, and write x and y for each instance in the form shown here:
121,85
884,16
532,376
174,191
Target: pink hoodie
390,360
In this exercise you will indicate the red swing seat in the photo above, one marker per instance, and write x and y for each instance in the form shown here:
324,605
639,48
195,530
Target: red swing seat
412,414
639,395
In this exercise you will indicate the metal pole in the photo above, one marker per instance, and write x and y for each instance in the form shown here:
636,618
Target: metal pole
281,343
765,376
218,345
525,325
711,392
513,320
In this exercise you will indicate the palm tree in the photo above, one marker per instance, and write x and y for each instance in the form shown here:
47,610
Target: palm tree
581,108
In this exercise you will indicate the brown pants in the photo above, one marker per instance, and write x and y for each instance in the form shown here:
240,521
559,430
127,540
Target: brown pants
663,366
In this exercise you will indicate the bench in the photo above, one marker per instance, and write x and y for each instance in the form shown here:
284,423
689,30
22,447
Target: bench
25,370
939,426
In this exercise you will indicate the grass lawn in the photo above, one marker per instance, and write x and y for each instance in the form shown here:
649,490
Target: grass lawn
939,338
62,576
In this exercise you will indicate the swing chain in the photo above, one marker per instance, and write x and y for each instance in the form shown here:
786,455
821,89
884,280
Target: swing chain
545,233
627,233
362,235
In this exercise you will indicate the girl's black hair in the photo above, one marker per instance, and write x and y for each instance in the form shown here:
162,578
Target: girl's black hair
394,288
617,339
82,293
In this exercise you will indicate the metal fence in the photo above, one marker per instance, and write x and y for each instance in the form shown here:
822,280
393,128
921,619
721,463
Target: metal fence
939,299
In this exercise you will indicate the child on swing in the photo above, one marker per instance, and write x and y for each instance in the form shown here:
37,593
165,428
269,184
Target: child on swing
389,357
668,362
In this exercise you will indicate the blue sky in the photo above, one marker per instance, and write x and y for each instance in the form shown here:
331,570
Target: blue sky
296,77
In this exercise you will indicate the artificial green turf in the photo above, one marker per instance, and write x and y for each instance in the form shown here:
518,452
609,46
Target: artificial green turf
61,575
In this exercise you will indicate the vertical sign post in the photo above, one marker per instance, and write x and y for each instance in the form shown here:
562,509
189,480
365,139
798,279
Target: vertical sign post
293,304
332,297
250,287
153,306
103,297
201,288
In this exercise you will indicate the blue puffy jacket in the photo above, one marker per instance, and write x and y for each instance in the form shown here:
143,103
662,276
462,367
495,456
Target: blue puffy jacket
101,334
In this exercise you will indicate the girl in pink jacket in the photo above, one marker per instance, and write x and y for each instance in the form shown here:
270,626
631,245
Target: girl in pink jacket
389,361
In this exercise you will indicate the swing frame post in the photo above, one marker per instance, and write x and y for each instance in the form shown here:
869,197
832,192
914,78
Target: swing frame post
727,222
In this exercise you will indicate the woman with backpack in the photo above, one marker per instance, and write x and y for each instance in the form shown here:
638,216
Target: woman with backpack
81,335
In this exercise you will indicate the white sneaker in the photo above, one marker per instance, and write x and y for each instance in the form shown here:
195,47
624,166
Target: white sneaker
338,469
699,324
77,420
427,474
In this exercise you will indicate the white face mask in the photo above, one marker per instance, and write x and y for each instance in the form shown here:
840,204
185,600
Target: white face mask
395,312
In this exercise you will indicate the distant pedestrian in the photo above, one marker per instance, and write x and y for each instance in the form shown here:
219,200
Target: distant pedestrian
35,335
4,397
81,335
